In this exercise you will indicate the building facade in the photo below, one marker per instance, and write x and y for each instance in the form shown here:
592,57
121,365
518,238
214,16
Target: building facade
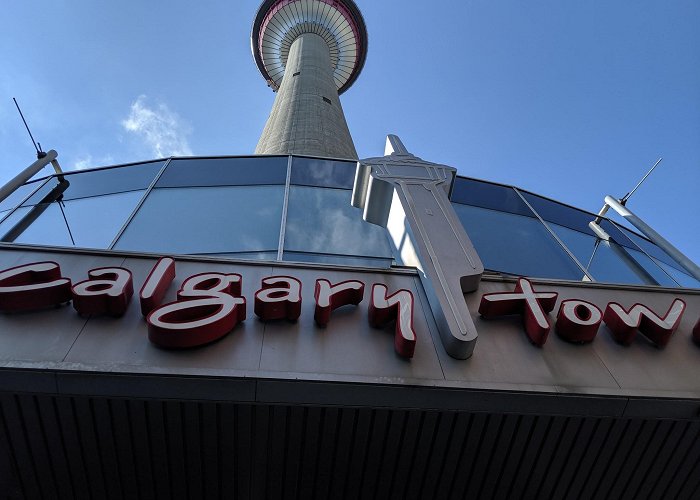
298,325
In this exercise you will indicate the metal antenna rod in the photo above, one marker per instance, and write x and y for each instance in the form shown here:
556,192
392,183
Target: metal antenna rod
38,149
627,196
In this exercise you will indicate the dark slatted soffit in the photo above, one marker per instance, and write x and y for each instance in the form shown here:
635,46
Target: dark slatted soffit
79,447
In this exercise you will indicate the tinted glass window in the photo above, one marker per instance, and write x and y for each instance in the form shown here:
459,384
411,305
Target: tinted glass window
323,221
271,255
617,235
207,220
341,260
100,182
225,172
661,276
323,173
19,194
40,224
681,277
611,262
515,244
91,222
574,218
486,195
650,248
563,215
52,190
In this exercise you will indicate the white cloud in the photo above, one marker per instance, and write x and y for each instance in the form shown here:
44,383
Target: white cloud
83,163
159,127
87,161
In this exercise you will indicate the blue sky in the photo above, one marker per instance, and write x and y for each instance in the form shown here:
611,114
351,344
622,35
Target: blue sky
569,99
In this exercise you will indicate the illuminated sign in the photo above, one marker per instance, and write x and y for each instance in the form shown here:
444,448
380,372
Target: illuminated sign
578,320
208,305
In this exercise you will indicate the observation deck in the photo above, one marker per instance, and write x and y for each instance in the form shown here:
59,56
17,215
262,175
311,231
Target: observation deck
339,22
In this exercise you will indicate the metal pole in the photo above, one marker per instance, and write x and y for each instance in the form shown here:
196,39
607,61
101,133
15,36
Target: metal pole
627,196
655,237
27,174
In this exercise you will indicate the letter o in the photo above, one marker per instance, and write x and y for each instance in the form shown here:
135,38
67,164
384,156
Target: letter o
578,321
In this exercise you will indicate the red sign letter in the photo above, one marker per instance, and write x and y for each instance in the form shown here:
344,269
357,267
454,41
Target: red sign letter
104,296
624,325
206,311
330,297
399,307
578,321
279,302
532,306
157,283
33,286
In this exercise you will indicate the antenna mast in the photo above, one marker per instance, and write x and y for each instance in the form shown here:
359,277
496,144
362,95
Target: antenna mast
39,153
627,196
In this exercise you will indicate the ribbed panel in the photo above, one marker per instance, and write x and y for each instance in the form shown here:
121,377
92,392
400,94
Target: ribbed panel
61,447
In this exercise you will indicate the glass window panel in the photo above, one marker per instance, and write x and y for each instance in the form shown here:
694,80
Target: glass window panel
41,224
225,172
617,235
100,182
18,195
51,191
207,220
650,248
660,275
487,195
606,262
517,245
685,280
93,222
561,214
343,260
323,173
272,255
573,218
323,221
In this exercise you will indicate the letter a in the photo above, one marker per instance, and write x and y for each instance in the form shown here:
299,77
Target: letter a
110,295
278,302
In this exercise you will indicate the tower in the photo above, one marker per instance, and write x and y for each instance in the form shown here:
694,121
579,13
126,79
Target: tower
309,52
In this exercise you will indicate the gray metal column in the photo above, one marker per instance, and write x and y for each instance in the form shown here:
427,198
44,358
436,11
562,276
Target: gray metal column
307,117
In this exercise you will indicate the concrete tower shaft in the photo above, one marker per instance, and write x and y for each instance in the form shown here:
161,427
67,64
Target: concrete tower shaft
309,51
307,117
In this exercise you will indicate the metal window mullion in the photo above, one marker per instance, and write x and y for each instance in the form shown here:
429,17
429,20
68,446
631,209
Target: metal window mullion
139,204
285,205
554,235
19,205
